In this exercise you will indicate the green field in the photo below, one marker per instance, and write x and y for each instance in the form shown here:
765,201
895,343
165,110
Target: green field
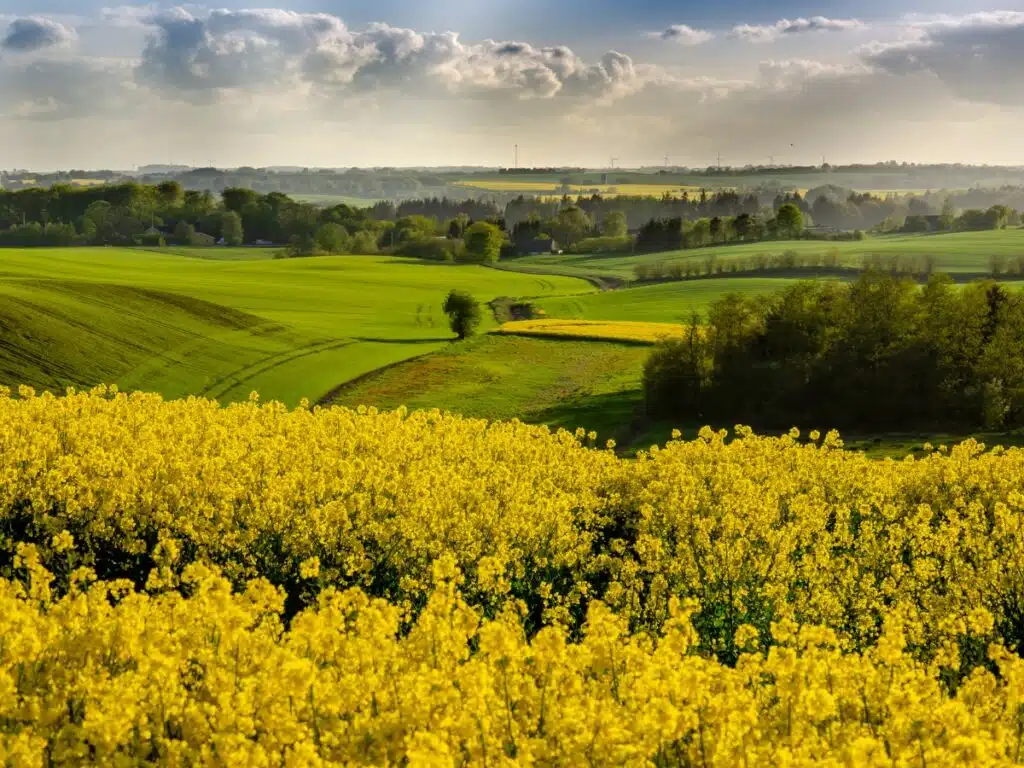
223,322
215,252
288,328
560,383
954,252
660,303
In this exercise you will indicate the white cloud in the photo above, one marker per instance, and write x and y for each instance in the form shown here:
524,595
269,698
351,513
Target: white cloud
244,78
684,35
770,32
198,56
57,90
33,33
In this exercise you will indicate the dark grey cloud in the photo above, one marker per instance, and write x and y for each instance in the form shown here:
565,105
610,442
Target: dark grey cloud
979,57
34,33
684,35
768,32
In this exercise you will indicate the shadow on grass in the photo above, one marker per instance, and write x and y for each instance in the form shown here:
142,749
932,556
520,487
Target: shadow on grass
617,416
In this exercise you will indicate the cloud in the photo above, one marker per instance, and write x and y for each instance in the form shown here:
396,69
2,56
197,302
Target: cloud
769,32
978,57
255,75
684,35
196,56
56,90
230,49
34,33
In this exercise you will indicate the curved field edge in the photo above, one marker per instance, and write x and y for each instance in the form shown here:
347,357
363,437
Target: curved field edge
625,331
953,252
289,329
558,382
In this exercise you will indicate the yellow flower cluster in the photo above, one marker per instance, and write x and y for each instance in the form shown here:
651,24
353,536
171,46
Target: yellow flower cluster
185,583
603,330
107,676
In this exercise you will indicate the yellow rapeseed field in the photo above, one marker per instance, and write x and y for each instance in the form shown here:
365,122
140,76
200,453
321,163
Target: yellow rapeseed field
605,330
188,584
549,188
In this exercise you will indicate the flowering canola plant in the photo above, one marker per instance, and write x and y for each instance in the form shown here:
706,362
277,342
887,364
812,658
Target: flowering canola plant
183,583
635,331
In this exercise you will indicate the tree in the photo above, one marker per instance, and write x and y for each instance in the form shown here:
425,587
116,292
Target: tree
237,198
614,224
456,228
302,245
170,193
570,225
483,242
332,238
742,225
414,227
463,313
96,221
790,220
184,233
231,228
948,214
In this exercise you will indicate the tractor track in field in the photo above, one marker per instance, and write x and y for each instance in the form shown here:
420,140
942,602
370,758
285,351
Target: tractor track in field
601,282
236,378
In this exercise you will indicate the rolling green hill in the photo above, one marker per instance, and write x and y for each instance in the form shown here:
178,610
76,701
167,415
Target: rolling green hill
954,252
561,383
288,328
660,303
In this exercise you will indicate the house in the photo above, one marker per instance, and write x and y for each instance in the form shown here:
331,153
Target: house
537,246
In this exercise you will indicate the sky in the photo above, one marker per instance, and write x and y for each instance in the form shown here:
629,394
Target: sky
87,84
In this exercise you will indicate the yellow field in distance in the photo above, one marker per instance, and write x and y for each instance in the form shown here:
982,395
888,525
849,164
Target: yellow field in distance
553,188
598,330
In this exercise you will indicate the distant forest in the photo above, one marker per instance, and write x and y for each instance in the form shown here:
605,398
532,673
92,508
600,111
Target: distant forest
407,183
132,213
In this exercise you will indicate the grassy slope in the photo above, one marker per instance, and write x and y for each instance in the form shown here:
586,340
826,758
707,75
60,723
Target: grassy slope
559,383
287,328
660,303
955,252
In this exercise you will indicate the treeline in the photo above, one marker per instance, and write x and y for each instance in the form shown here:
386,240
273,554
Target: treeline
878,353
432,227
827,206
916,265
141,214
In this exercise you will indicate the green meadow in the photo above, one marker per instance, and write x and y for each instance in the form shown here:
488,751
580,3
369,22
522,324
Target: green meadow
368,330
561,383
659,303
953,252
178,325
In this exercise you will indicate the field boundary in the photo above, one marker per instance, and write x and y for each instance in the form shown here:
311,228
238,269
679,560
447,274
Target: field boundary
217,390
325,401
564,337
601,282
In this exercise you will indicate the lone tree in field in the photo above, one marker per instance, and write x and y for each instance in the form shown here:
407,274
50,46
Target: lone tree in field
231,228
483,242
463,313
790,220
